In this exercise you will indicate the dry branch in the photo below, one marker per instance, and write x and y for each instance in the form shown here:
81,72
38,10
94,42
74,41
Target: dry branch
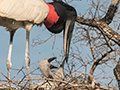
102,24
103,27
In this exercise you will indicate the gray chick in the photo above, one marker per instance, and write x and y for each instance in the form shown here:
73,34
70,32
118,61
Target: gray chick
46,67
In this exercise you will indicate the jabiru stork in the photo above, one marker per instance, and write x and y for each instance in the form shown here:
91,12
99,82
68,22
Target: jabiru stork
16,14
57,16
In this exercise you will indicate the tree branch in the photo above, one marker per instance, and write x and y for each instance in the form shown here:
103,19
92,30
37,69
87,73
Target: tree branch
103,27
111,12
96,62
102,24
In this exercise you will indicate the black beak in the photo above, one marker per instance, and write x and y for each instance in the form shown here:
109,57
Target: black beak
51,59
68,35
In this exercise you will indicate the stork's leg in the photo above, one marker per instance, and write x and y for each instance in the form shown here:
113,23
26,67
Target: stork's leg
27,59
8,62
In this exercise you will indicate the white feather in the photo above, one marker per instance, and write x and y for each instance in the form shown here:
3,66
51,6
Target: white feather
24,10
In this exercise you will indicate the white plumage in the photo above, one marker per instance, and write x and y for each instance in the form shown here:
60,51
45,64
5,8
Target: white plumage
16,14
24,10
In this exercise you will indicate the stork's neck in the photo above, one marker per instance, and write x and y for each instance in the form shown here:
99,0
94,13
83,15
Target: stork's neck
52,17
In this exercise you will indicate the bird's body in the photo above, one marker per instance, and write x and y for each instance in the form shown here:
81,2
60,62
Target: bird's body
24,10
16,14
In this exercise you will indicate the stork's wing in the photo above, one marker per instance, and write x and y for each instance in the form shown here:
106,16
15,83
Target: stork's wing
24,10
68,35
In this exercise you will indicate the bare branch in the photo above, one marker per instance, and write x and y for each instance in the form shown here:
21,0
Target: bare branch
39,41
111,11
109,58
96,62
103,27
